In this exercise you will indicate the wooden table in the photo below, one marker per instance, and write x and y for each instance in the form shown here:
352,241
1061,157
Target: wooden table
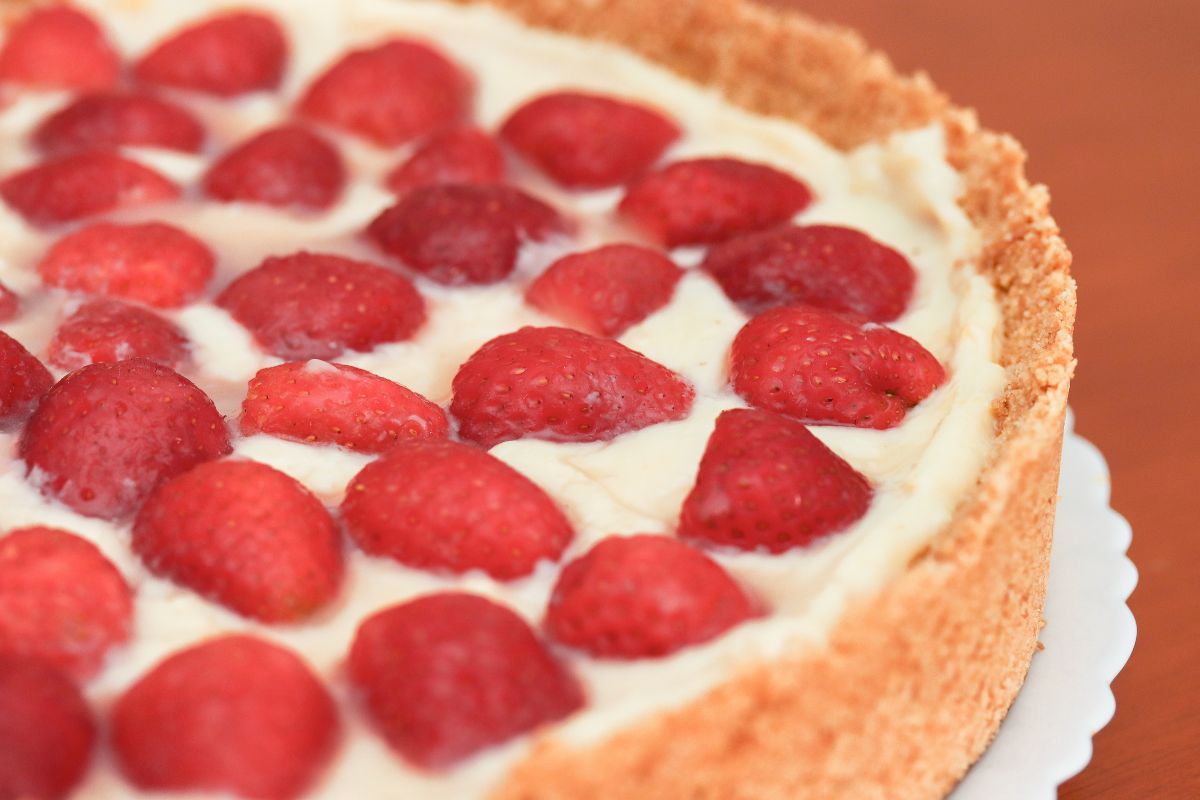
1106,98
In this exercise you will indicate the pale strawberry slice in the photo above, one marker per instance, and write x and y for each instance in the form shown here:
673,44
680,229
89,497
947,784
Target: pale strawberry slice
604,291
10,303
587,140
838,369
102,120
109,330
562,385
315,401
455,155
225,55
766,483
450,507
58,47
288,166
446,675
23,381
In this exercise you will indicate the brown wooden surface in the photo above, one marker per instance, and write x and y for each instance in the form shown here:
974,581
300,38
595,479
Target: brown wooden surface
1106,98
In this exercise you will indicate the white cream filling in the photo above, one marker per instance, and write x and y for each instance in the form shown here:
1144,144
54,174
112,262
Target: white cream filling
900,191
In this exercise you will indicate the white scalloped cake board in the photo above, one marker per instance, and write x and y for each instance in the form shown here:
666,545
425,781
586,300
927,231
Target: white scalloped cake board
1089,634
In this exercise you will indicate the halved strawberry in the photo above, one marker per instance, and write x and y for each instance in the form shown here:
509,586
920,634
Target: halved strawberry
23,381
562,385
446,675
315,305
10,303
585,140
451,507
455,155
839,369
232,715
58,47
287,166
315,401
109,330
103,120
226,55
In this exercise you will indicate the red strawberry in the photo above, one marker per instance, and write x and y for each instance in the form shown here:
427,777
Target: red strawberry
390,93
46,731
116,119
23,381
285,166
226,55
313,305
708,200
455,155
10,303
82,185
643,596
448,506
459,234
234,715
315,401
604,291
105,436
588,140
109,330
562,385
446,675
149,262
245,535
839,369
61,600
765,482
57,47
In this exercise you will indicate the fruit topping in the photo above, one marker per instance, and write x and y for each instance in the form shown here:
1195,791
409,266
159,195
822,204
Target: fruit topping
23,381
225,55
103,120
58,47
454,155
110,330
288,166
10,303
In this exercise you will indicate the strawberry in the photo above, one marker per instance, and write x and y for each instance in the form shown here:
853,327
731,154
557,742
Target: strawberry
245,535
288,166
588,140
58,47
454,155
109,330
448,674
105,436
149,262
23,381
102,120
225,55
231,715
562,385
604,291
708,200
61,600
448,506
315,401
313,305
460,234
839,369
46,731
390,94
10,303
765,482
82,185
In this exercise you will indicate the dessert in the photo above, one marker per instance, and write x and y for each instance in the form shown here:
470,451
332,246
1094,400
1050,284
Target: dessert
854,621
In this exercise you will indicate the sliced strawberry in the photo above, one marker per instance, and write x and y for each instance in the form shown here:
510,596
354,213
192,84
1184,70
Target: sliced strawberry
288,166
82,185
46,731
235,715
455,155
391,93
707,200
225,55
109,330
104,120
10,303
765,482
604,291
643,596
150,262
459,234
588,140
60,601
105,436
23,381
58,47
315,401
562,385
839,369
448,506
446,675
313,305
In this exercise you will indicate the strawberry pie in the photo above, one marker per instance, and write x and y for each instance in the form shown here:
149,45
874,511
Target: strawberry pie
513,400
